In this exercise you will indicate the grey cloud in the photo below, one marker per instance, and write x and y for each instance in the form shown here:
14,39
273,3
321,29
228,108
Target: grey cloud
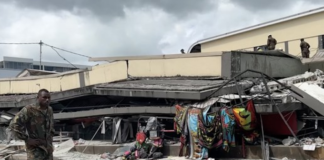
137,33
275,5
129,27
108,9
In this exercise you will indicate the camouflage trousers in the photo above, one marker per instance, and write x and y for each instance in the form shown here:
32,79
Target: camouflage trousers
38,154
271,48
305,53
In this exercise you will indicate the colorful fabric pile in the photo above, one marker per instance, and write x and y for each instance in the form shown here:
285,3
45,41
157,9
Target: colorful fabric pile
202,130
197,151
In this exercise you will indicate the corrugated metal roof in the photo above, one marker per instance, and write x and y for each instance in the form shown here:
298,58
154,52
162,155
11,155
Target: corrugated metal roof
56,64
45,63
34,72
17,59
8,73
261,25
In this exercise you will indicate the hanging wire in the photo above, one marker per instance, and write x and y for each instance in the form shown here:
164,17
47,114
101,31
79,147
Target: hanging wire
63,58
66,50
42,43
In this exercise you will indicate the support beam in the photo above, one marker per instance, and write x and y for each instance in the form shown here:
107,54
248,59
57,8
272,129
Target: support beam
20,101
115,111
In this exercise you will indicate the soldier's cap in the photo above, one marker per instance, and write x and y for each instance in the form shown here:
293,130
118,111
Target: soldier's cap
270,35
302,39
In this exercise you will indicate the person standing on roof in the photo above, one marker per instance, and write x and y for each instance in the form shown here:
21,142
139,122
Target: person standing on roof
37,120
272,42
304,46
182,51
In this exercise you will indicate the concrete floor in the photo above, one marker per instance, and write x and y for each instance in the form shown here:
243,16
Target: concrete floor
96,148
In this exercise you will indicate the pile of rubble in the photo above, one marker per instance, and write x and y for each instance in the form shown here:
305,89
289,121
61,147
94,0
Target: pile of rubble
293,104
286,107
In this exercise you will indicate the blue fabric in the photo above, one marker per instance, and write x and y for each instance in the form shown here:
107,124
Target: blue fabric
228,124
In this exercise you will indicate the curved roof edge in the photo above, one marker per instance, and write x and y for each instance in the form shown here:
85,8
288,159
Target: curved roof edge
261,25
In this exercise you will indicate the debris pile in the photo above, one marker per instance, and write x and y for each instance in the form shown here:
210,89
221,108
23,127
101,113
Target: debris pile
240,112
220,120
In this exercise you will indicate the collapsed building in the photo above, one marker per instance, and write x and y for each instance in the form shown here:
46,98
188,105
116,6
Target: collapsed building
284,91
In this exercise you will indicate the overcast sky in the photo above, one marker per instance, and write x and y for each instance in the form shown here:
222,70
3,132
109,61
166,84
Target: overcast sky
101,28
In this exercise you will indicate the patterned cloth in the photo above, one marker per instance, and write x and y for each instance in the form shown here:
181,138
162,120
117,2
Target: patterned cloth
38,125
196,150
180,121
208,128
180,118
228,128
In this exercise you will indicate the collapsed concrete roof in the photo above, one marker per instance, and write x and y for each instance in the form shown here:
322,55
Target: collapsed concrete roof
180,77
225,65
182,89
163,88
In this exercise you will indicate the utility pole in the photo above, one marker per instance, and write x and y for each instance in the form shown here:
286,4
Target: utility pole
40,55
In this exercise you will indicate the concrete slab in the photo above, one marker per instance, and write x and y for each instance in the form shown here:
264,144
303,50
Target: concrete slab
114,111
274,64
274,86
174,89
155,88
310,94
64,147
17,101
164,84
283,107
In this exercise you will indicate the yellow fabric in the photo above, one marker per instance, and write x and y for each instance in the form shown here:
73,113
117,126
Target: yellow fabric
243,117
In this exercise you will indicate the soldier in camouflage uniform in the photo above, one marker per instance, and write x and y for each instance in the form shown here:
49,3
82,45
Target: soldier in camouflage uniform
272,42
304,46
37,120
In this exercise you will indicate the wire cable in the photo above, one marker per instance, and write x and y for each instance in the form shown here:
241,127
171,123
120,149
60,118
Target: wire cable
63,58
65,50
42,43
18,43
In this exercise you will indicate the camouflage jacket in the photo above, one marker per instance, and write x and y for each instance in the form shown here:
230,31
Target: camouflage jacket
38,124
304,45
271,42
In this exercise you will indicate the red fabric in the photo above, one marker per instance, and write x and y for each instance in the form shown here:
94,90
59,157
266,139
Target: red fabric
250,107
182,141
274,125
140,137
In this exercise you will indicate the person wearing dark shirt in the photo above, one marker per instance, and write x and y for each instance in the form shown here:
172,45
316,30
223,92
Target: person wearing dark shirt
271,43
304,46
